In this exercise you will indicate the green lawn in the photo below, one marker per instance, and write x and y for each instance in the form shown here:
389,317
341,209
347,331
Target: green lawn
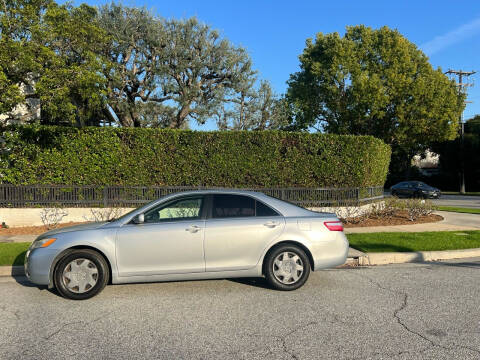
458,209
13,253
420,241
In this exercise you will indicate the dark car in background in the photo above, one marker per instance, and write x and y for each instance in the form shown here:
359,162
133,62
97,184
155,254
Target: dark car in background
416,189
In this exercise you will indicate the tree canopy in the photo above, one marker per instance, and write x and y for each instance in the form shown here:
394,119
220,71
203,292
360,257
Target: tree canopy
374,82
53,47
117,64
168,69
473,125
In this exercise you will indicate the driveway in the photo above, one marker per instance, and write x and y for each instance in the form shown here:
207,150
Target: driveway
409,311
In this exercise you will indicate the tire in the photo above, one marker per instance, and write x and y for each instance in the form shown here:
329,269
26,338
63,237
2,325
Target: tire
81,274
295,258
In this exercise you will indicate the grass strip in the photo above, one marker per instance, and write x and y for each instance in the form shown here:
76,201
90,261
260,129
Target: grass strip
13,253
458,209
417,241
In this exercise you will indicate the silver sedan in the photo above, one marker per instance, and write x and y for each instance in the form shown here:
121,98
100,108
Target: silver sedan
190,235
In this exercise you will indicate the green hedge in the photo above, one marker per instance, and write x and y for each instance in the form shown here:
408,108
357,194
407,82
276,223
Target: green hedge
126,156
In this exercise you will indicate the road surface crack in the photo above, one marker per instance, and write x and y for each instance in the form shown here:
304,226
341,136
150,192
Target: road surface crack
48,337
402,307
283,339
14,313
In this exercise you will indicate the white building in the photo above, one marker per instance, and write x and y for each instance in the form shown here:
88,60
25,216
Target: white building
27,112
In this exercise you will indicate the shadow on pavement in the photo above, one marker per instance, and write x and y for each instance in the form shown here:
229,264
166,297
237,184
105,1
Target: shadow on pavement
256,282
382,247
466,264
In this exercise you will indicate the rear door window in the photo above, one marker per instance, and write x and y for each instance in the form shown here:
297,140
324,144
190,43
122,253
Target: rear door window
264,210
229,206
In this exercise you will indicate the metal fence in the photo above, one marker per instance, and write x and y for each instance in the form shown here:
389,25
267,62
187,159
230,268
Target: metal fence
133,196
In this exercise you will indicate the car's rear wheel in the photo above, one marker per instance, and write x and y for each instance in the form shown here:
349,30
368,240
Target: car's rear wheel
81,274
287,267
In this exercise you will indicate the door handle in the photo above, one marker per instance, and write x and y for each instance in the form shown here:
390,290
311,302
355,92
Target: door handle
193,228
271,224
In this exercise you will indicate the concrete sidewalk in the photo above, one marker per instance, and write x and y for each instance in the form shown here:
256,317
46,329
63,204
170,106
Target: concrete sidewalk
17,238
451,222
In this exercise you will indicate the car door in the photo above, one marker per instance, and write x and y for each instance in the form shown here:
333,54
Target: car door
237,230
403,189
410,189
169,241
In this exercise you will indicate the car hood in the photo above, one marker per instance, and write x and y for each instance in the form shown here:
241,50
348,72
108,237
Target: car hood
88,226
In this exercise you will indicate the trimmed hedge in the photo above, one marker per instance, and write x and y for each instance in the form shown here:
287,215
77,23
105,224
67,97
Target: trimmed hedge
127,156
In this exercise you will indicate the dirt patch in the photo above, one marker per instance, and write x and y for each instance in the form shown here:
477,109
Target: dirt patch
400,218
32,230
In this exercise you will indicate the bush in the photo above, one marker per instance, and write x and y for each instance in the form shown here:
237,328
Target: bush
128,156
417,208
51,217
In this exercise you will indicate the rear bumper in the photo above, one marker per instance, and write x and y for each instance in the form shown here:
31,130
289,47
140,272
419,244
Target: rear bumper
331,253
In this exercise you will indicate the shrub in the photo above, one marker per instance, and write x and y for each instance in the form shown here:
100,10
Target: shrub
128,156
417,208
51,217
103,214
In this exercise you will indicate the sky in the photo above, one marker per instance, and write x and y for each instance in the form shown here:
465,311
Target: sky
274,31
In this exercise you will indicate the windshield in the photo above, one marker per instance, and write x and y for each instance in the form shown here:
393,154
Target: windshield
132,211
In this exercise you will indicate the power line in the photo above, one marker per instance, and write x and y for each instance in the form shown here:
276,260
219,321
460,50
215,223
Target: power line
462,87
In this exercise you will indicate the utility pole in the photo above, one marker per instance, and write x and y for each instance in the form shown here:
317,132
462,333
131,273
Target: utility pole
462,88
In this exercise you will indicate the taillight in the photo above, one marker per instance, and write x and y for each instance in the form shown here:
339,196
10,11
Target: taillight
334,225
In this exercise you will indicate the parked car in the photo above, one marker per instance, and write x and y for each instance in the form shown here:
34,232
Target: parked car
415,189
191,235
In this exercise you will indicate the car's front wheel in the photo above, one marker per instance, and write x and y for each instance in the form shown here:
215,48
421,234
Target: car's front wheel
287,267
81,274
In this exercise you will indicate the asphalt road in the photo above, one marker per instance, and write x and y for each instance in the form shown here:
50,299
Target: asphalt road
408,311
459,201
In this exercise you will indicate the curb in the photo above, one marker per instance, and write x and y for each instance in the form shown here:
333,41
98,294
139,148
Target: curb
12,271
419,256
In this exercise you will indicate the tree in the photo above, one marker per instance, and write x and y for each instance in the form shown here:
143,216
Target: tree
70,85
179,67
136,53
53,48
255,109
374,82
18,21
473,125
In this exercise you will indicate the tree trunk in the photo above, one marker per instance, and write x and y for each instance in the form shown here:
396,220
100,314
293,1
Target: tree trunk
408,162
180,118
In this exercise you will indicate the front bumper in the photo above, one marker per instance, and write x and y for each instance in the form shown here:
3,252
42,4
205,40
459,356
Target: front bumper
37,265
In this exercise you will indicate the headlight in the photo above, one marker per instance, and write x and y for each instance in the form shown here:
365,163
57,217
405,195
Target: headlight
43,243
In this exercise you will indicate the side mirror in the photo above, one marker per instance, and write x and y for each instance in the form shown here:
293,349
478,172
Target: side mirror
139,219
